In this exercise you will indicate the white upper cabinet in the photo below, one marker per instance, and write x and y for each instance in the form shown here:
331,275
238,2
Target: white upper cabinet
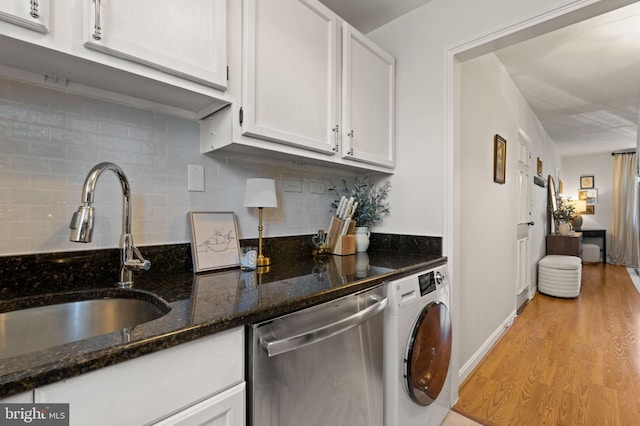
186,39
305,79
368,94
164,55
289,75
31,14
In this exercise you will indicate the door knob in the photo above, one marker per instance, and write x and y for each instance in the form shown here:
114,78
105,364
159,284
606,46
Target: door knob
531,223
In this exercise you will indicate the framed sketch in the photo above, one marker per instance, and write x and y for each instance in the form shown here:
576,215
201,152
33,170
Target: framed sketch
588,195
499,159
214,240
586,182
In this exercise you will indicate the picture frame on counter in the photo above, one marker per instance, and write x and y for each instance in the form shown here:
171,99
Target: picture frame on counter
586,182
214,240
499,159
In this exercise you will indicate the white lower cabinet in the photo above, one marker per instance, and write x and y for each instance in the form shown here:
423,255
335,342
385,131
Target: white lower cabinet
199,379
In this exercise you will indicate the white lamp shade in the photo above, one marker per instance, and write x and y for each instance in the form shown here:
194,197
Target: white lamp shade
260,193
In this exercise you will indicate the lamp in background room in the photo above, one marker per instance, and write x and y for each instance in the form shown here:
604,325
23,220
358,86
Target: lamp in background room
260,193
580,206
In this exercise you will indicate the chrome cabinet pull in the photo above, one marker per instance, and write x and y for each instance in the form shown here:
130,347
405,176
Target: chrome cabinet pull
34,9
350,134
97,28
335,131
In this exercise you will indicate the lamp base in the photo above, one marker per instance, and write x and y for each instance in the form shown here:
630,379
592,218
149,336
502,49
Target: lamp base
263,261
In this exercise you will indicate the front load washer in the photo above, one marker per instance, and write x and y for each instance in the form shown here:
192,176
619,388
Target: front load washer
417,353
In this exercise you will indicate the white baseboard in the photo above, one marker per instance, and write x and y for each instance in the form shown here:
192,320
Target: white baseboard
473,362
635,277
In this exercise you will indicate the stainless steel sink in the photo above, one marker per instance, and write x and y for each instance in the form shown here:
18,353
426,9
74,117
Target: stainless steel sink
35,328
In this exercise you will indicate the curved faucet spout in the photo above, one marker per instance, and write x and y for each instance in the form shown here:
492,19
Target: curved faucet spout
82,222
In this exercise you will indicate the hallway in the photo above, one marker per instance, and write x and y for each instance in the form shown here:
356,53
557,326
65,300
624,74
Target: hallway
564,361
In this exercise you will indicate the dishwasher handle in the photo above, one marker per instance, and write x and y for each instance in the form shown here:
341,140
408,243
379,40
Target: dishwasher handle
277,347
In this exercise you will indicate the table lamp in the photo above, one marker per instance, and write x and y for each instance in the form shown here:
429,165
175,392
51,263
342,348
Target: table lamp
260,193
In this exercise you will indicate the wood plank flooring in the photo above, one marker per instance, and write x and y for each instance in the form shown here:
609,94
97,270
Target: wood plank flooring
564,361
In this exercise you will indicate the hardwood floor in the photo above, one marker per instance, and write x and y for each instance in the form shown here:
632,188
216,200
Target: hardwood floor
564,361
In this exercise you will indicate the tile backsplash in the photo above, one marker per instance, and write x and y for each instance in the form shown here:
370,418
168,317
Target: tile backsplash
50,139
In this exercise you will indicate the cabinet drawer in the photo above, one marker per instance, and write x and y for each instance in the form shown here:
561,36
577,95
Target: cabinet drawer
226,408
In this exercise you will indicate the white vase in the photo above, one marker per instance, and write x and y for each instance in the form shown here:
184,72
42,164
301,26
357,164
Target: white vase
362,238
564,228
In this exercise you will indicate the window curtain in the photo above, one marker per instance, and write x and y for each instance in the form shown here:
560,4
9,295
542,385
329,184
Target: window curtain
624,212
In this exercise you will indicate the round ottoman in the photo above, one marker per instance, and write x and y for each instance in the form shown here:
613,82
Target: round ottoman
590,253
559,276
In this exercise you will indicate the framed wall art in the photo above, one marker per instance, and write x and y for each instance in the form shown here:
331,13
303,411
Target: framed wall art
539,166
586,182
499,159
590,196
214,240
590,210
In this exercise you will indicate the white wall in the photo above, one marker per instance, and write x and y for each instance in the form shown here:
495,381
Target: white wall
492,104
600,166
49,140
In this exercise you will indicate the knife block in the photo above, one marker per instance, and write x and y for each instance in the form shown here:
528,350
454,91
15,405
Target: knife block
342,245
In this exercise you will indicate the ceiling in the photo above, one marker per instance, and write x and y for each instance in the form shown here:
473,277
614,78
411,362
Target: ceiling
582,81
367,15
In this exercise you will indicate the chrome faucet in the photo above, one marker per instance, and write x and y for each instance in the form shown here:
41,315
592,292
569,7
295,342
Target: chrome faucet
82,223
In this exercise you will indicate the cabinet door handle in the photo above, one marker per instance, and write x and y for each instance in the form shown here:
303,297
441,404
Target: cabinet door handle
97,28
350,134
335,131
34,9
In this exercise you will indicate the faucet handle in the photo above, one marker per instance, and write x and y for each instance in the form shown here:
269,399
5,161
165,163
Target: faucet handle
138,264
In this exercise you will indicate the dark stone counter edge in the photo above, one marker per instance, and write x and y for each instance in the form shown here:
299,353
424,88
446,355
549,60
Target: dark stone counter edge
26,380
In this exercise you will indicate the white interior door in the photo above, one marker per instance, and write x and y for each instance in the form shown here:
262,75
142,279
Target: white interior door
523,219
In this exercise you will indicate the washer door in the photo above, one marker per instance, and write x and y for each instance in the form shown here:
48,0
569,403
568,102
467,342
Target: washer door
428,354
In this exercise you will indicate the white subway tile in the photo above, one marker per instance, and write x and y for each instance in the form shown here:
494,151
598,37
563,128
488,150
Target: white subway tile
30,164
48,182
114,129
79,123
13,111
49,118
13,146
30,197
10,179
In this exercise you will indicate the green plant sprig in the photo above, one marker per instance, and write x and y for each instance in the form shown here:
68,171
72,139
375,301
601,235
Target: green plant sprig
371,198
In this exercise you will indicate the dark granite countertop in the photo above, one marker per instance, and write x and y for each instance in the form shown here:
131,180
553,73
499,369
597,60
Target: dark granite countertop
206,303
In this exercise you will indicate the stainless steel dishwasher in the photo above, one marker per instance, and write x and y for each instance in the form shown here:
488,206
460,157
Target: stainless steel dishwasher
319,366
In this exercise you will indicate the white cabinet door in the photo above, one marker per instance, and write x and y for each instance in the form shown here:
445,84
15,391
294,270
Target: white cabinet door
225,409
289,73
183,38
32,14
368,92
